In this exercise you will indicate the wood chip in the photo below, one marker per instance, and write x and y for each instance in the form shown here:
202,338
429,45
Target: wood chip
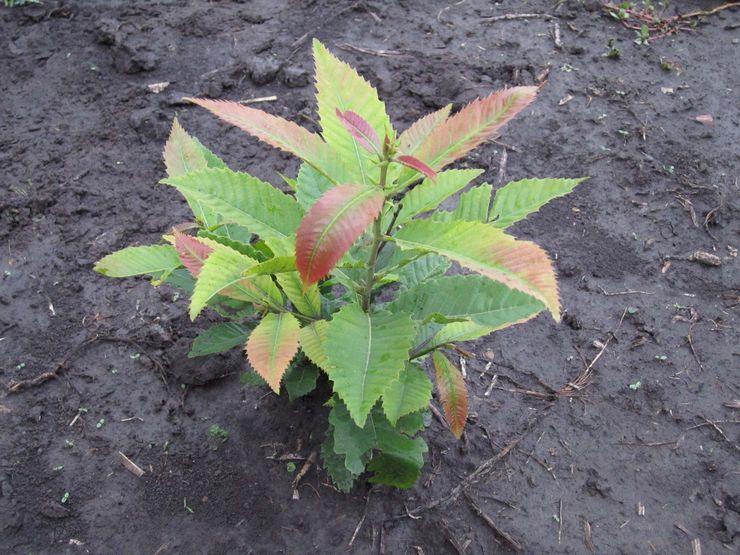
157,88
131,466
705,258
705,119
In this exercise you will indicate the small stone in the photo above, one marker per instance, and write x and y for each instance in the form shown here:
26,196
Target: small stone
295,77
55,510
263,70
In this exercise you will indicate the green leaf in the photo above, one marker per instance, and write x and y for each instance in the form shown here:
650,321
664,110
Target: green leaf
219,339
350,440
423,268
334,464
136,261
310,186
340,87
313,343
473,205
430,194
477,298
242,199
306,300
516,200
300,378
276,265
366,352
272,345
251,378
182,279
411,392
222,273
184,154
235,244
401,458
480,247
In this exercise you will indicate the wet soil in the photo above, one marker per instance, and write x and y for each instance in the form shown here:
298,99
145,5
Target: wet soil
643,458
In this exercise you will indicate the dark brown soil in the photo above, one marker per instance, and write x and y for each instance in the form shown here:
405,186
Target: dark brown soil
81,137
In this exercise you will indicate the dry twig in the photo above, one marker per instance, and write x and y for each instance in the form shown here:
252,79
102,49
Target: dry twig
514,544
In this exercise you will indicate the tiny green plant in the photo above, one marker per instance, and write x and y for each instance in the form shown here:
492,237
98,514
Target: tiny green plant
643,35
218,432
612,51
355,272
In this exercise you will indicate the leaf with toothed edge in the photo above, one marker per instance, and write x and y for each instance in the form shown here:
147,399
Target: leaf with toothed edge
366,352
272,345
516,200
360,129
480,247
313,343
193,252
453,393
339,86
280,133
218,339
137,261
430,194
332,225
472,125
411,392
412,138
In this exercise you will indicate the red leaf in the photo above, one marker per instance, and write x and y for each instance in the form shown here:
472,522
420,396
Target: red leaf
275,131
334,222
410,139
360,129
452,392
193,253
472,125
418,165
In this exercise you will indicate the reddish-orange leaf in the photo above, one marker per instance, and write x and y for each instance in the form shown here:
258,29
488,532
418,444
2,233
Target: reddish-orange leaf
334,222
193,253
360,129
181,152
410,139
272,345
452,392
418,165
472,125
277,132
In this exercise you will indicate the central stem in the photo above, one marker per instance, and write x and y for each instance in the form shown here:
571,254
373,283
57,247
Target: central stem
377,243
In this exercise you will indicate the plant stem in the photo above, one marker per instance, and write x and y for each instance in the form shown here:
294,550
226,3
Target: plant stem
377,244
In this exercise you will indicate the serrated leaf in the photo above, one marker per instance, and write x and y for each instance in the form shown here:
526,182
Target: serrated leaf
521,265
417,165
350,440
193,252
218,339
401,459
280,133
300,378
182,279
423,268
310,185
251,378
234,244
334,464
313,343
276,265
272,345
453,393
410,392
475,123
473,204
516,200
327,232
183,154
242,199
366,353
486,302
430,194
137,261
340,87
360,129
222,273
306,300
414,136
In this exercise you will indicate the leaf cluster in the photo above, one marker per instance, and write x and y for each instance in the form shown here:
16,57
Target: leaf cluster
354,272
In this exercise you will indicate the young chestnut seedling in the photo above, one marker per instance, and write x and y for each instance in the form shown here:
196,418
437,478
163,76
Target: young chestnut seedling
300,274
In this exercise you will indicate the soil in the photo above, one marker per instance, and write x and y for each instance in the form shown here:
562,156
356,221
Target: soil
641,459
